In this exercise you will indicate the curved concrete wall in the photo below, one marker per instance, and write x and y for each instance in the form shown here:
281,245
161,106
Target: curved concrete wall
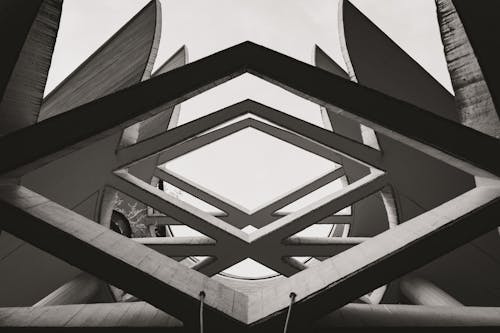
381,64
23,94
17,17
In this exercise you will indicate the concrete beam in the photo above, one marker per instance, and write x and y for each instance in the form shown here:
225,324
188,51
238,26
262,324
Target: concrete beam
83,289
423,292
193,217
297,221
116,259
157,124
363,317
179,246
90,316
395,116
369,316
258,243
227,206
260,219
319,246
380,259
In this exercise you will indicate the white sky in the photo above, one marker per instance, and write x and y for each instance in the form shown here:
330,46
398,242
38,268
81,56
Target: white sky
263,182
287,26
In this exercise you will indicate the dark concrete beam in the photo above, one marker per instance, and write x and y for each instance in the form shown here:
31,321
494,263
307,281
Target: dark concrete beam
132,103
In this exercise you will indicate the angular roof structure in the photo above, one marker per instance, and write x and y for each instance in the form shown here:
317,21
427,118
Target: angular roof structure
414,187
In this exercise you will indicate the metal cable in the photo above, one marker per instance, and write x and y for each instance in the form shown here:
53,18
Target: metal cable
292,299
202,299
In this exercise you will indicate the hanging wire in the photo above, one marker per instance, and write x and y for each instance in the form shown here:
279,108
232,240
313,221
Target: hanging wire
202,299
292,299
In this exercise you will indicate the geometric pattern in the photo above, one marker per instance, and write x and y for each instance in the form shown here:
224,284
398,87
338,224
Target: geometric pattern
258,190
320,289
260,241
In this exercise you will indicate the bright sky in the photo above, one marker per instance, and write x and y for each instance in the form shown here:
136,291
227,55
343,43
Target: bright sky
292,27
288,26
264,182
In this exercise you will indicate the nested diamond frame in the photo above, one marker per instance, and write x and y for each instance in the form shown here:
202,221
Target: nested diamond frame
320,289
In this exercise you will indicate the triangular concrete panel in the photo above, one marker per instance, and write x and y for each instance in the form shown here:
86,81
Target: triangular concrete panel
125,59
381,64
322,60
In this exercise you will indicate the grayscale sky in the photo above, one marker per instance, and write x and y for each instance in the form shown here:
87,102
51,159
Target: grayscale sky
287,26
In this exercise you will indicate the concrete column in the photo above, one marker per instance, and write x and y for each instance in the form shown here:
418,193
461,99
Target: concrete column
472,94
422,292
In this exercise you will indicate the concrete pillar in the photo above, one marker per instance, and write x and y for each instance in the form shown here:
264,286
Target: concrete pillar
472,95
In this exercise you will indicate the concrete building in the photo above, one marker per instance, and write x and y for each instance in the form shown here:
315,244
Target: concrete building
90,196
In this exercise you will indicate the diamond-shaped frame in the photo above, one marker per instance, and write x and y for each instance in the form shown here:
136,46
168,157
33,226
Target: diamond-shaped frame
223,202
257,244
338,279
